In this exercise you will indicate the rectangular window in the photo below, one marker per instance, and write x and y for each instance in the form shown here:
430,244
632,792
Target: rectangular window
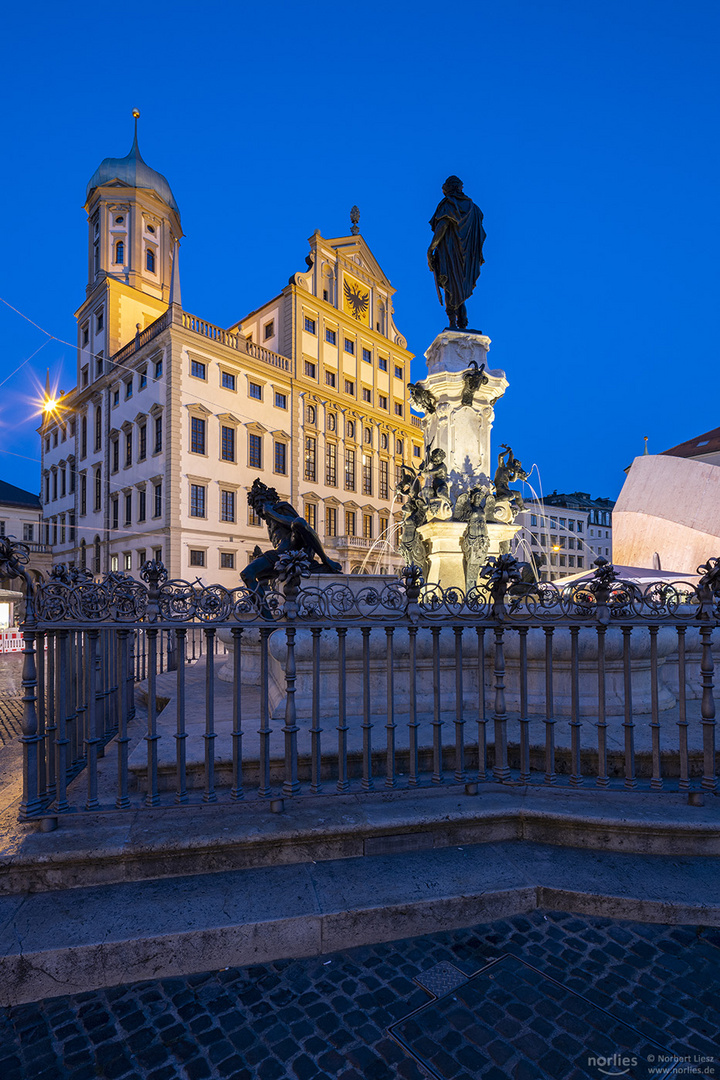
228,443
158,369
197,435
116,398
255,391
382,363
368,526
127,560
98,322
543,539
571,560
197,370
115,513
330,378
28,532
367,394
562,560
533,519
128,448
330,521
115,455
571,542
367,356
85,334
416,450
310,463
158,434
142,383
367,474
142,447
534,539
349,346
157,554
382,401
383,526
253,518
349,387
71,519
128,389
384,480
331,465
197,558
83,494
227,560
398,372
310,369
311,514
83,437
349,522
349,470
331,337
280,458
128,509
255,451
98,427
398,408
269,329
309,325
580,561
197,500
562,522
98,488
228,380
227,505
571,524
142,504
141,558
55,485
280,400
158,501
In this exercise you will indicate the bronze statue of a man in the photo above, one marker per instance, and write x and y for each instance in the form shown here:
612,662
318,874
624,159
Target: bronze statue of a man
455,253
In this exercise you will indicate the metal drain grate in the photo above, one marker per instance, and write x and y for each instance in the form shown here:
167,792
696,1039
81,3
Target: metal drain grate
512,1018
441,979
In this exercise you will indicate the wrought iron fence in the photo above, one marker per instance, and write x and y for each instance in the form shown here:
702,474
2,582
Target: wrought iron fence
503,668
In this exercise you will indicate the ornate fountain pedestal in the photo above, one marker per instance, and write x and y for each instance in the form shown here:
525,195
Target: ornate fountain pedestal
459,414
462,431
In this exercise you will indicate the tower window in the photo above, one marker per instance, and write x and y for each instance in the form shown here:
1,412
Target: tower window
269,329
151,228
120,252
119,220
150,260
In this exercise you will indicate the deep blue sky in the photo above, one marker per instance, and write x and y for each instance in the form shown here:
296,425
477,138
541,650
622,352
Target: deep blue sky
586,132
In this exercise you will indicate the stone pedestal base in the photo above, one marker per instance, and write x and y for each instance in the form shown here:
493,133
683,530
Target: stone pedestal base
442,540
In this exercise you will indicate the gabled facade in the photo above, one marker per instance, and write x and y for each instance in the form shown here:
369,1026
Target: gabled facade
172,418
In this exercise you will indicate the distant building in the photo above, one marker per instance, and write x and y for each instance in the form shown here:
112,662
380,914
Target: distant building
564,534
21,518
172,418
667,516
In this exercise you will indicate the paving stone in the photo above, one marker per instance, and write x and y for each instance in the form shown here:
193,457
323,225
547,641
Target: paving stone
302,1019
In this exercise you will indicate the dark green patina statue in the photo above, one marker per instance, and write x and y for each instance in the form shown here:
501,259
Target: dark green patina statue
455,253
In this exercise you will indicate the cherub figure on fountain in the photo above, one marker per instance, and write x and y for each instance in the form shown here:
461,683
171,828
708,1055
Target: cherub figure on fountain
506,504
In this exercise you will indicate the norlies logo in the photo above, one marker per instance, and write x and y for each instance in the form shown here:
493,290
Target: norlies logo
617,1065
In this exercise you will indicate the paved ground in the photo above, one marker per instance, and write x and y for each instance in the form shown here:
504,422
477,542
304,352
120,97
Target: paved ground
328,1017
10,696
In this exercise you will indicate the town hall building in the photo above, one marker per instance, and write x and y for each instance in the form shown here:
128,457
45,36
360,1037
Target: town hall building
172,418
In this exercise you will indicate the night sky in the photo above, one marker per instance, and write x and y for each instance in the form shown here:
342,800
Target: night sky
586,132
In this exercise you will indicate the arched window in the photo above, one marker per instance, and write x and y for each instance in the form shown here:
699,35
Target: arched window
150,260
399,446
120,252
96,561
350,430
384,441
83,555
311,414
331,421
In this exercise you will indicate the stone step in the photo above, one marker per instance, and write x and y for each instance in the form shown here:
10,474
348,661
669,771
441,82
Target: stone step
167,841
56,943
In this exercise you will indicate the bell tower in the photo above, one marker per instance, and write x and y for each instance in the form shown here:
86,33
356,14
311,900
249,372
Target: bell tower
133,229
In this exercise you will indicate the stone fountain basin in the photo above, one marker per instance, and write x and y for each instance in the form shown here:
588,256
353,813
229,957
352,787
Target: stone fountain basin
640,667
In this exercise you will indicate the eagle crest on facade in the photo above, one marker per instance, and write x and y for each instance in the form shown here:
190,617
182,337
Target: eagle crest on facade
357,300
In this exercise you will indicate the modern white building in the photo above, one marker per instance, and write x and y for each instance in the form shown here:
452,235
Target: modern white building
564,534
172,418
667,516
